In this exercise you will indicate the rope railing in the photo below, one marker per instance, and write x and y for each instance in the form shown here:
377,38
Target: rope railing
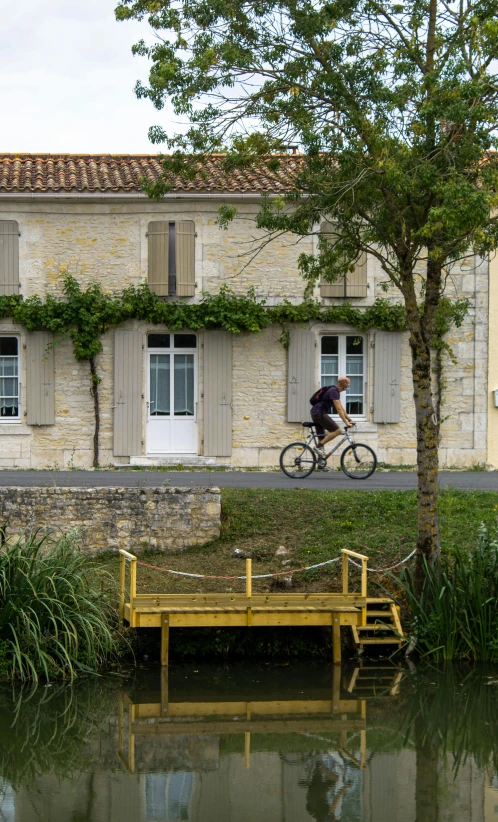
287,572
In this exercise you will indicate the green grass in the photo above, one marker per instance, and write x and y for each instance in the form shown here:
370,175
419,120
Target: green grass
314,525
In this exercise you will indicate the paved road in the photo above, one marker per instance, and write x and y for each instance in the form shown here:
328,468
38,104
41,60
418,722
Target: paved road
380,481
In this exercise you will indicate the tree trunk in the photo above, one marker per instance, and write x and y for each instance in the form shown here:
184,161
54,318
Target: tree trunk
427,456
426,775
422,329
94,388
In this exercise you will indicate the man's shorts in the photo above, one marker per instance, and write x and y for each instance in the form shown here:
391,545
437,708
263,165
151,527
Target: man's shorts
323,422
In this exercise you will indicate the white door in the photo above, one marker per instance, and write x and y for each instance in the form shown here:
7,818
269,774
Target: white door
172,394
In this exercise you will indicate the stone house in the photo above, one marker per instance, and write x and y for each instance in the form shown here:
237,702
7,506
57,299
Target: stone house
207,397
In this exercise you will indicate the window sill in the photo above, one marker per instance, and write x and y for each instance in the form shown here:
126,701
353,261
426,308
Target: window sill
14,428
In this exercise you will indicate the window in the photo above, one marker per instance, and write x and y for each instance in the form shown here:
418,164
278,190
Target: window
9,378
172,374
354,283
171,268
344,355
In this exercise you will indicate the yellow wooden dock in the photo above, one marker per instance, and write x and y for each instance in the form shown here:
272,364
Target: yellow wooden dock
372,619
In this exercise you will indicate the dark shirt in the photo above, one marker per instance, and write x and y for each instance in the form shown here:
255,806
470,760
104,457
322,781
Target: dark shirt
325,404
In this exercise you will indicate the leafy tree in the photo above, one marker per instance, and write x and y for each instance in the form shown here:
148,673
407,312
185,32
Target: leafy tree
394,105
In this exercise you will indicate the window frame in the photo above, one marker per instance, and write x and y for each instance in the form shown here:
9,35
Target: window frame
341,356
18,418
172,349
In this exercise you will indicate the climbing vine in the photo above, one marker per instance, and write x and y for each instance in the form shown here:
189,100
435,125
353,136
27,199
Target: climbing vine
84,315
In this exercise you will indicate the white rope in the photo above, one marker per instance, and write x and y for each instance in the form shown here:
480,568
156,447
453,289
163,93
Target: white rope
382,570
308,568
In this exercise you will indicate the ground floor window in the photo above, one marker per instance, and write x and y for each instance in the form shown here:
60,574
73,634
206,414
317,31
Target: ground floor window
344,355
9,378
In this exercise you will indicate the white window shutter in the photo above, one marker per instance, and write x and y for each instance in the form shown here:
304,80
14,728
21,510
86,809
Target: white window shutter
40,378
217,394
387,376
302,379
128,378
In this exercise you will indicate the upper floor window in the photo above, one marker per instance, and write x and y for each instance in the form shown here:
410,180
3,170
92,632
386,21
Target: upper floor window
9,257
9,378
171,267
344,355
354,283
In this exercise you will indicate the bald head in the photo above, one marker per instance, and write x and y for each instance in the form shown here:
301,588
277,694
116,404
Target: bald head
343,383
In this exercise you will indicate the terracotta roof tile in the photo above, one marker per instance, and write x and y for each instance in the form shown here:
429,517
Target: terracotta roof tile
100,173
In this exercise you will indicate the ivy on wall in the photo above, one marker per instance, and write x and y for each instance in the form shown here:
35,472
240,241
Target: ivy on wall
85,315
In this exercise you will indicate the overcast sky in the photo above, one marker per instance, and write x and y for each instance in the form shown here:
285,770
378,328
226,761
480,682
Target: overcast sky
67,78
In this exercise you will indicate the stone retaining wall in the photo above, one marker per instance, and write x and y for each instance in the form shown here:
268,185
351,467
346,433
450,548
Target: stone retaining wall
137,519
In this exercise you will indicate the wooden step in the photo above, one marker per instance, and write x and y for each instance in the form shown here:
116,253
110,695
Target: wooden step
378,627
387,613
380,641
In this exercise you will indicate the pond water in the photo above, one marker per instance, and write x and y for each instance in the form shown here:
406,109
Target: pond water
249,743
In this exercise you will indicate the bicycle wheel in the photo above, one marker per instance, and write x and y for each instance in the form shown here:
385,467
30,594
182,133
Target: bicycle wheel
358,461
297,460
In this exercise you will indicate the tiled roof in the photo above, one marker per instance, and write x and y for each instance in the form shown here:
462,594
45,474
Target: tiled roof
107,173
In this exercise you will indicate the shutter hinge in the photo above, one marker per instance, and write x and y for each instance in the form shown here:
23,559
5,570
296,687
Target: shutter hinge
143,396
371,409
146,233
195,233
372,344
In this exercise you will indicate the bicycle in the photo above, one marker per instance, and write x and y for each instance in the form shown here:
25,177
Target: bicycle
298,460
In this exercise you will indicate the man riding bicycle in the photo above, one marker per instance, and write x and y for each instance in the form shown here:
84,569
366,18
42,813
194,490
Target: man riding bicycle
320,415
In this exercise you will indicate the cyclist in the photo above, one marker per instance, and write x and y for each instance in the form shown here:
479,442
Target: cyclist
321,411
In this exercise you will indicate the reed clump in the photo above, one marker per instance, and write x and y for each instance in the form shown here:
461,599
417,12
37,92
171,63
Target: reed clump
55,616
456,614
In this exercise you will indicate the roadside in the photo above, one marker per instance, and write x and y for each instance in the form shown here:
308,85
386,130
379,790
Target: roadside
336,480
311,526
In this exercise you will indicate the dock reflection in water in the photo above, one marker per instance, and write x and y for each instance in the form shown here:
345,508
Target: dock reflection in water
310,746
368,743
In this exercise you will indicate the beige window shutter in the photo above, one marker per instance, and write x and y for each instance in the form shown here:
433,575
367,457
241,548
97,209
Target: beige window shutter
158,237
9,257
357,279
185,258
387,376
217,394
128,366
40,378
336,289
302,380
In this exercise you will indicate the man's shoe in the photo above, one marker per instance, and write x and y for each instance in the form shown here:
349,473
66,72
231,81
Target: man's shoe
322,466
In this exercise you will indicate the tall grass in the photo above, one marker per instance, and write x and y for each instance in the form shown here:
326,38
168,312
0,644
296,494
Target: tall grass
456,614
54,615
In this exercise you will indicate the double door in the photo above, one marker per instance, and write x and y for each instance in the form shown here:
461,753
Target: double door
172,397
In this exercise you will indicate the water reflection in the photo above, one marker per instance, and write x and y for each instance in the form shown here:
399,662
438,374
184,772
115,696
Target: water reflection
374,743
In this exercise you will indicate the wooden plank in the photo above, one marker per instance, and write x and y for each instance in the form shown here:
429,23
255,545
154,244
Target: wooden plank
336,641
320,725
207,609
200,599
221,619
259,708
165,640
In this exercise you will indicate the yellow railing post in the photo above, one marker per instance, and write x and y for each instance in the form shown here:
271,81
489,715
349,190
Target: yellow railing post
345,572
133,589
364,587
125,557
248,577
122,578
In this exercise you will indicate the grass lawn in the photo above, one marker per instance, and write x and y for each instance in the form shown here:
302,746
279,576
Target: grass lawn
314,525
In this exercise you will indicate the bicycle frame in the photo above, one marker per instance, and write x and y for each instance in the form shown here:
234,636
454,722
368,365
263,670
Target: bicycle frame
347,436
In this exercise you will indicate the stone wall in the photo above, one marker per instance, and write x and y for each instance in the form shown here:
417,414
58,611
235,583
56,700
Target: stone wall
136,519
